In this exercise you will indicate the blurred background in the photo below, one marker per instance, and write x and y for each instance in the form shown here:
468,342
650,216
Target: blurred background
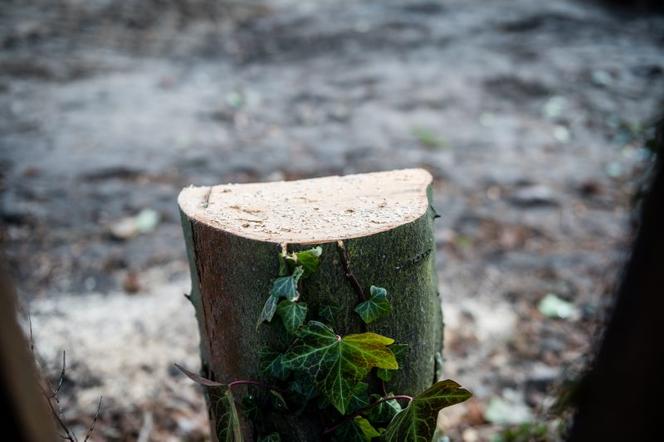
532,116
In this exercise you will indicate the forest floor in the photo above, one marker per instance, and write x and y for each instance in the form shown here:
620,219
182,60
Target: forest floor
530,115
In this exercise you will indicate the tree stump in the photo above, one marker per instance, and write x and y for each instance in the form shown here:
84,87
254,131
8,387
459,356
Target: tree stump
384,221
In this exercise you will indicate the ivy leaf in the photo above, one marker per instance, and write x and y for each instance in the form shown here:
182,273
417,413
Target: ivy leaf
368,430
278,401
309,259
304,387
328,312
271,365
376,307
338,364
384,412
292,314
417,422
273,437
282,287
400,351
286,286
226,417
358,429
360,397
302,390
249,407
269,309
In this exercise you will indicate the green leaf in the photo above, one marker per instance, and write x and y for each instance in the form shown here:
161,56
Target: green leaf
308,259
274,437
271,365
292,314
368,430
338,364
328,312
249,406
225,414
376,307
359,398
417,422
286,286
269,309
358,429
278,401
400,351
303,386
384,412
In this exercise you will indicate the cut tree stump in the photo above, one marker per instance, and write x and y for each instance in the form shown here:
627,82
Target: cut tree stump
235,232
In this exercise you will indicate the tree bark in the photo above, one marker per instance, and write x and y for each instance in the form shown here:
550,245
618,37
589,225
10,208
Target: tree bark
619,399
232,276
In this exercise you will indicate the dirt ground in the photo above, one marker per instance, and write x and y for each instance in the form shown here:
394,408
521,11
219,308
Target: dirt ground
530,115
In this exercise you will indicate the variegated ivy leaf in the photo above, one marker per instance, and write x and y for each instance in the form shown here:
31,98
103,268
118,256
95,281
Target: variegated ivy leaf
225,414
286,286
292,314
338,364
376,307
274,437
358,429
308,259
400,351
417,422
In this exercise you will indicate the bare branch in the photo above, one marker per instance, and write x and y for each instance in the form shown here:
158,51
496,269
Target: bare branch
94,421
62,374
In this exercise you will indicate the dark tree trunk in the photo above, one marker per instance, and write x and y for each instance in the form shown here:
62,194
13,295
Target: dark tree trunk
621,397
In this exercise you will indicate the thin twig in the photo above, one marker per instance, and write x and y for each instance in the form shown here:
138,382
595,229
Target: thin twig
365,409
94,421
32,341
61,379
68,434
345,261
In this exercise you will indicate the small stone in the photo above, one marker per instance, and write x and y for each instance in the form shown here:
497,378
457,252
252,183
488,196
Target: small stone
561,134
131,283
554,307
554,107
534,195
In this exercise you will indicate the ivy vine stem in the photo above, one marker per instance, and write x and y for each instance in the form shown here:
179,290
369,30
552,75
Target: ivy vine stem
365,409
210,383
345,261
245,382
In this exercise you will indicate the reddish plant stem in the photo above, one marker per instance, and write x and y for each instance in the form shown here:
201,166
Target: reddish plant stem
365,409
258,383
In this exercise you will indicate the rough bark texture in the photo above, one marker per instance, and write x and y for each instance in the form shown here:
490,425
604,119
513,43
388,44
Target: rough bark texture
620,397
232,277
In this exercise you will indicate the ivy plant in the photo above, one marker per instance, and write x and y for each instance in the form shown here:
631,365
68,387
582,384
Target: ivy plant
332,371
